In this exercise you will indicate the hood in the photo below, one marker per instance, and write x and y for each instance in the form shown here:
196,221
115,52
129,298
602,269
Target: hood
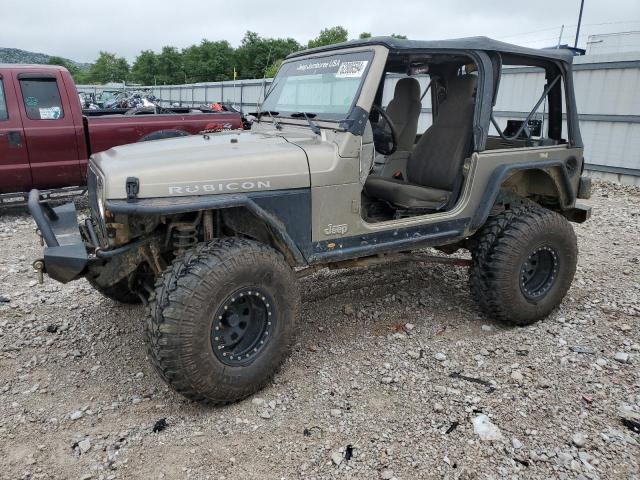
225,162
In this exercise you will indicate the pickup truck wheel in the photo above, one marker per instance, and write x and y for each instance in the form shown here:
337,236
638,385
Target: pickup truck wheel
222,320
119,291
162,134
524,261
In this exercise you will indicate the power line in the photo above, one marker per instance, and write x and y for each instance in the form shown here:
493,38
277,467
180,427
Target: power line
582,36
569,27
610,23
534,31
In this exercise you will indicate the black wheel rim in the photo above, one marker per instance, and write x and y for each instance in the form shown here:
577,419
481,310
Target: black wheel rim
243,326
539,272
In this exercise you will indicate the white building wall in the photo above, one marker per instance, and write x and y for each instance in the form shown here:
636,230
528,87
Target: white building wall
613,43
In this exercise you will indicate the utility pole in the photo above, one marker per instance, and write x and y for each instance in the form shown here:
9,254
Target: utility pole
575,45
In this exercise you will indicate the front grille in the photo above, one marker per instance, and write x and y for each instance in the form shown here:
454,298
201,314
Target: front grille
97,220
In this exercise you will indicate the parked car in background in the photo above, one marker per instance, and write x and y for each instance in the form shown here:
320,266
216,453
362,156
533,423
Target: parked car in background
46,138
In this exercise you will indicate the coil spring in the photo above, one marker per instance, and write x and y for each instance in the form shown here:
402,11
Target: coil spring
184,237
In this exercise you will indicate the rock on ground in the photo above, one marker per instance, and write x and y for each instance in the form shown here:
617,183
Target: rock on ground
66,349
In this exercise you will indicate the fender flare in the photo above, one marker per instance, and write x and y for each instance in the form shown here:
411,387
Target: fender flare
501,173
160,206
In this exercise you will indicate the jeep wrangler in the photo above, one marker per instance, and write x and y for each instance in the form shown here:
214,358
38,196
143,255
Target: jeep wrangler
211,231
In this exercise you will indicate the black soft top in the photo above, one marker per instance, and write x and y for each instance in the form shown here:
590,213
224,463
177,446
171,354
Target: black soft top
470,43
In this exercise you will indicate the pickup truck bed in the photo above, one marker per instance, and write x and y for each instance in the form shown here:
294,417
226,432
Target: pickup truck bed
46,141
111,130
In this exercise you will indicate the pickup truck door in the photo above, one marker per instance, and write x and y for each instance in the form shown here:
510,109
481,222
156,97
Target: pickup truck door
15,174
49,130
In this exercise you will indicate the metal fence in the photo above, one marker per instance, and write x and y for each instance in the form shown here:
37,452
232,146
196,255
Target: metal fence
245,94
607,92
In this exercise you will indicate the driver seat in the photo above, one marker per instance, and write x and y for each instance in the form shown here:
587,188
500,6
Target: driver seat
434,167
404,111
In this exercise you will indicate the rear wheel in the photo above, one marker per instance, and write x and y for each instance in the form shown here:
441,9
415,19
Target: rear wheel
524,261
223,319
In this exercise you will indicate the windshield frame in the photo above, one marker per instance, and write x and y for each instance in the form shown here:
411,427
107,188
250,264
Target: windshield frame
324,116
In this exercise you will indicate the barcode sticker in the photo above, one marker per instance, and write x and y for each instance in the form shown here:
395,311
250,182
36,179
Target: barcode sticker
352,69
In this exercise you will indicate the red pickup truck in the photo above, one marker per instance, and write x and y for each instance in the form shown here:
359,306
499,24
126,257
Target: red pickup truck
46,140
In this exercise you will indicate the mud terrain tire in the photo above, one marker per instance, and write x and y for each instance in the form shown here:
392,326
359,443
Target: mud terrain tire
222,320
524,261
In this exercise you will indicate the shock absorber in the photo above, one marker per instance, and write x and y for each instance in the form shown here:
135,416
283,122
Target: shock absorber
184,236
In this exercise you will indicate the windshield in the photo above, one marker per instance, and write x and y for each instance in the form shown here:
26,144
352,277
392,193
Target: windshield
325,86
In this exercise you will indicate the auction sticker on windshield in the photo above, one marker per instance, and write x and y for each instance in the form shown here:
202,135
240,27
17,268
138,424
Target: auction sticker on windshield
323,85
352,69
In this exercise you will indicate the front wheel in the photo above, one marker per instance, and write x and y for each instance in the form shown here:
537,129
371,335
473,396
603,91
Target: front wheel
223,319
524,261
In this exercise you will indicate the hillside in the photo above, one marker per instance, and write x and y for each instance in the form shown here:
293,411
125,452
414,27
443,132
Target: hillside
15,55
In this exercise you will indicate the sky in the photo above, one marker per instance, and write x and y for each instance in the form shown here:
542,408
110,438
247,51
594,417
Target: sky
80,29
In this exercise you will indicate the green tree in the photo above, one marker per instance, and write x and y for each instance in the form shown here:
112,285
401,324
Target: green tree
170,67
79,76
273,69
364,35
401,37
209,61
329,36
255,54
109,68
145,68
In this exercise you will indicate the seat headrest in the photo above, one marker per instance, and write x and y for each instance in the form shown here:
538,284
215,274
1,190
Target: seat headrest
462,88
408,88
456,110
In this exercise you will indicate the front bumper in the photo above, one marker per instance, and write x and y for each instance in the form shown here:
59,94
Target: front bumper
65,254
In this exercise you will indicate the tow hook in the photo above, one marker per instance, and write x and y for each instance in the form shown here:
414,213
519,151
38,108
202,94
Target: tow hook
38,266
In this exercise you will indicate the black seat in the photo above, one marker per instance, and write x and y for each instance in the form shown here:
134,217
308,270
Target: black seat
435,165
404,111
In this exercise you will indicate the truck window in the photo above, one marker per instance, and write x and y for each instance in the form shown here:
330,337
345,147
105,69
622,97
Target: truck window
527,91
4,115
41,98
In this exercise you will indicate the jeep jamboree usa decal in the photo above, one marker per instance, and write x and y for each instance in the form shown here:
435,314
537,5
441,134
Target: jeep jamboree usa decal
247,185
344,65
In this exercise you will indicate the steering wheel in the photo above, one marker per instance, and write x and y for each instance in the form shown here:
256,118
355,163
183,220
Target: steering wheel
385,138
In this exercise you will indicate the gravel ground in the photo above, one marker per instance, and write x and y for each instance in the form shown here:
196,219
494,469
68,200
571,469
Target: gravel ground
368,392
